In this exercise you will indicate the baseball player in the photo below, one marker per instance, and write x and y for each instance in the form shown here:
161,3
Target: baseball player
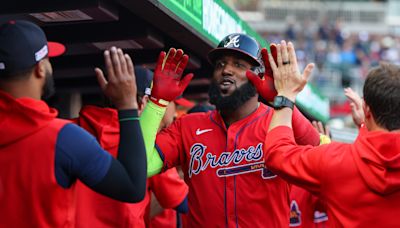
95,210
222,152
41,156
170,191
359,182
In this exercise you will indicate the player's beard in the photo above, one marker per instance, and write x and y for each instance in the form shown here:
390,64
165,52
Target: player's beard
233,101
48,87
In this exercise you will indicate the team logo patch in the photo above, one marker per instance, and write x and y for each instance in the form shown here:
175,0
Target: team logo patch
252,155
39,55
233,41
320,217
295,214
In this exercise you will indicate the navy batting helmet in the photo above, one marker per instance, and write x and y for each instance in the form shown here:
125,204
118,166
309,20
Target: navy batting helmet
238,43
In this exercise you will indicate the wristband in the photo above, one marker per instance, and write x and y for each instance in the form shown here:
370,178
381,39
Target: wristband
280,102
159,102
128,119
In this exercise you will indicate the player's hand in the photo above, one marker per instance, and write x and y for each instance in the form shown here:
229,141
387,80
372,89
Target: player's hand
356,106
323,132
120,85
265,83
168,82
321,128
288,80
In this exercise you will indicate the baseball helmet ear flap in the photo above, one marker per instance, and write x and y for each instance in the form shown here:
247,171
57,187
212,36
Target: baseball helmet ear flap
243,44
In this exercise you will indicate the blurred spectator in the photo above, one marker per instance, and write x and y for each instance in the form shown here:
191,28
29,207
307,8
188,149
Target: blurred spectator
342,59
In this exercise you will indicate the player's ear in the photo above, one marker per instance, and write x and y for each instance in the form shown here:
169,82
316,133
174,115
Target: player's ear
40,69
367,111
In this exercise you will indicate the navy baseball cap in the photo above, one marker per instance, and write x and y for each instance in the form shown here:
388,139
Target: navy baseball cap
23,44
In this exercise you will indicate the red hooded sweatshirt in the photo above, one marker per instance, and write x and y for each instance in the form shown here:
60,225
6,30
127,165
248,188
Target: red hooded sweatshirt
29,193
360,182
95,210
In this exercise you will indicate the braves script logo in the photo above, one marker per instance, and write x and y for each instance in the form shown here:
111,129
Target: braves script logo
233,41
197,163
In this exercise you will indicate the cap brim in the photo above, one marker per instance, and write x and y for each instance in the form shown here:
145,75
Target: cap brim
55,49
184,102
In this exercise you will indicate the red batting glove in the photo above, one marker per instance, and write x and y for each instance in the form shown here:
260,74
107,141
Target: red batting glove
265,83
264,54
168,82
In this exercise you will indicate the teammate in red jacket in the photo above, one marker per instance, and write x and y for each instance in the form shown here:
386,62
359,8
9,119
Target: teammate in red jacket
95,210
221,152
41,156
359,182
306,209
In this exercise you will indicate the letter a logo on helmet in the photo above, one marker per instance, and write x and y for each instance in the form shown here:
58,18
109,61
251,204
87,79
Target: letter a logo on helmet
238,43
232,41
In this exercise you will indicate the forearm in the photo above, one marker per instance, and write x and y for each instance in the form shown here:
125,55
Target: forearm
281,117
117,184
297,164
303,131
131,150
150,121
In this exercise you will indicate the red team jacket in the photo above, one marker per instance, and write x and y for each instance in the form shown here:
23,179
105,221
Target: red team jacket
306,210
229,184
359,182
95,210
29,193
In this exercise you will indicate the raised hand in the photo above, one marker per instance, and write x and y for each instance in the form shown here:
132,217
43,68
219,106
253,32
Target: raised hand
168,82
287,78
324,134
356,106
120,85
265,83
319,126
